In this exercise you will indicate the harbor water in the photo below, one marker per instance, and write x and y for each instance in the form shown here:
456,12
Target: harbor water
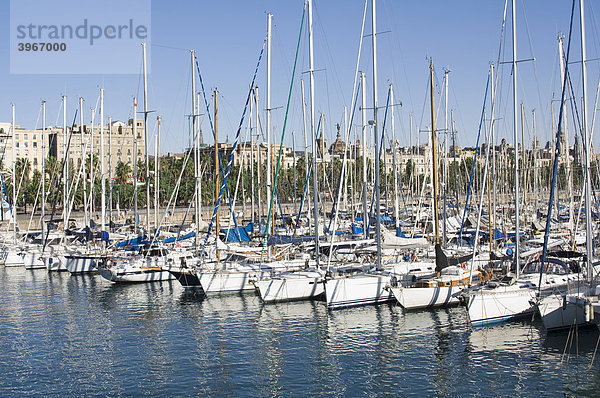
63,335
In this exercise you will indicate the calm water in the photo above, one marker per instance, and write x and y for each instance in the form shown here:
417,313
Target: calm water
66,335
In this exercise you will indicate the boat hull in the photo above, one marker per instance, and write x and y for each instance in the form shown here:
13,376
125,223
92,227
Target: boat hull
294,286
188,279
33,261
81,264
559,312
228,281
412,298
138,276
13,259
498,305
357,290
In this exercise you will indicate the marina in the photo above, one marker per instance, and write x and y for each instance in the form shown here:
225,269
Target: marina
406,256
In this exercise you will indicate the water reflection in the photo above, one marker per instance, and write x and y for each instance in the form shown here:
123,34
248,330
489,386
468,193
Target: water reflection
63,334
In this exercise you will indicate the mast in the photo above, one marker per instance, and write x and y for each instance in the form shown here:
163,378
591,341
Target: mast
110,177
146,140
412,160
492,208
14,184
434,160
135,193
294,155
493,124
523,155
82,130
194,146
102,162
43,166
561,57
347,172
66,164
252,155
156,171
444,239
313,132
515,133
364,151
305,151
587,146
269,184
376,135
216,175
396,200
91,197
258,157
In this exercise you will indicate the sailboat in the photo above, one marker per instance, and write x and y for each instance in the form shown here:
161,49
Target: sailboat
579,306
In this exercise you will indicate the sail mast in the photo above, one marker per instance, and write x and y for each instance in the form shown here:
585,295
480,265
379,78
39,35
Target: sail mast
515,133
82,159
43,165
269,167
14,183
156,171
217,174
436,225
376,135
135,193
103,162
364,150
394,160
587,146
146,139
66,160
313,132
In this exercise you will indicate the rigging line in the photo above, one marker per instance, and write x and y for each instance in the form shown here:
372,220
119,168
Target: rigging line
169,47
381,144
234,146
343,172
535,75
212,128
475,161
287,108
396,40
308,175
556,155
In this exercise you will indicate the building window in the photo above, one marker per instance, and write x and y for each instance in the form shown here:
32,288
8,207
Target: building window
16,144
35,144
25,144
25,136
35,161
34,137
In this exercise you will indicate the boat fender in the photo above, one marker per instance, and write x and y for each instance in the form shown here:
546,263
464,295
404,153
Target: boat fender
587,310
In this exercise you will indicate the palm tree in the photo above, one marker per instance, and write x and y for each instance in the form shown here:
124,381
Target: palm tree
123,172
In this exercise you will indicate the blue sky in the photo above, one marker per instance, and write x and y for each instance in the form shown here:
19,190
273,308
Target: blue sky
461,35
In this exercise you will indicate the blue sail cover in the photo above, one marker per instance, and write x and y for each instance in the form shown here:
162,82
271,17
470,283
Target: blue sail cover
238,234
130,242
178,238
